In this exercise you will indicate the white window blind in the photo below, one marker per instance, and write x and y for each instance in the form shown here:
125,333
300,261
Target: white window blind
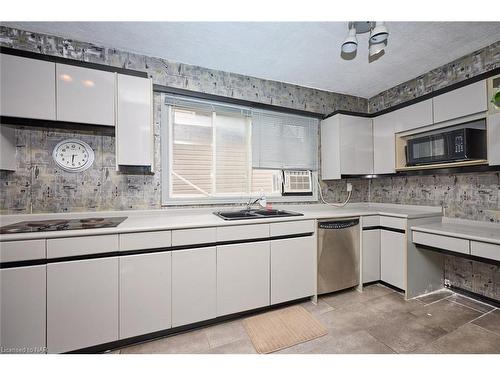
284,141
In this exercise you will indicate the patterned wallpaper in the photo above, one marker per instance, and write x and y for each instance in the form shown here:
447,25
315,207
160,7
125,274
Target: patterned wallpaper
471,65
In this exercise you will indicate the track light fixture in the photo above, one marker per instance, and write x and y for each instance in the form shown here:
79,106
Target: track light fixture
376,43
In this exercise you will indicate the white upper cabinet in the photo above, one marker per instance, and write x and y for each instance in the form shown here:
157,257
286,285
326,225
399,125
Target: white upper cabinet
85,95
134,126
27,88
7,148
413,116
385,127
384,149
346,146
494,139
461,102
330,148
356,145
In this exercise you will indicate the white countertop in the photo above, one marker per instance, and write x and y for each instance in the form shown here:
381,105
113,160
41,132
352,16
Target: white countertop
181,218
466,229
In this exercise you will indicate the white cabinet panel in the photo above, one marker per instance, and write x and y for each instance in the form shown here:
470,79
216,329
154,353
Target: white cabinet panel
27,88
370,221
458,245
14,251
134,123
194,285
85,95
72,246
393,222
330,148
242,232
184,237
145,240
292,227
356,145
413,116
392,248
243,281
82,304
293,267
461,102
493,124
22,309
384,149
7,148
371,255
485,250
145,293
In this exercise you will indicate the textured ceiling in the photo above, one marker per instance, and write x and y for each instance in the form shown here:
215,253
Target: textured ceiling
306,54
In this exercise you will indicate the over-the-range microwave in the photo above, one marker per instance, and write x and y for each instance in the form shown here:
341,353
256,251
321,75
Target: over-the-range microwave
465,143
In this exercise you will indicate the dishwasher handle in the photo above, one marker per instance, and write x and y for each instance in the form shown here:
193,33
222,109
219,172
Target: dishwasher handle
342,224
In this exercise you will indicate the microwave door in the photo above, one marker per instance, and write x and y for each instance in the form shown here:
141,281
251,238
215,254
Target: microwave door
427,150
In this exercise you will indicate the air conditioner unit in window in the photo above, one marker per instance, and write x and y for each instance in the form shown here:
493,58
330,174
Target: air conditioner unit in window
297,182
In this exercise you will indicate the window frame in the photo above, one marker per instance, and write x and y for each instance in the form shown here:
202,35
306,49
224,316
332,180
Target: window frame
166,133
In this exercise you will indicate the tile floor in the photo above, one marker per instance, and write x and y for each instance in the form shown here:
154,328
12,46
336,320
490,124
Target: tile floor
378,320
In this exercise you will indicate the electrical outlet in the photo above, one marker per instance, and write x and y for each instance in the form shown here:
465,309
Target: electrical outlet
349,187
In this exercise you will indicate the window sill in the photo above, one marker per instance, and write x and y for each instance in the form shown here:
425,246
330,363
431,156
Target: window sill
235,201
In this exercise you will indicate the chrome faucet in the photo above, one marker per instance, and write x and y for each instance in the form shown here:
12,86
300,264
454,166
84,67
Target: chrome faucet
261,200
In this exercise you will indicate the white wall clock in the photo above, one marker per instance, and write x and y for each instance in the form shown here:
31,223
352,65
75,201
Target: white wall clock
73,155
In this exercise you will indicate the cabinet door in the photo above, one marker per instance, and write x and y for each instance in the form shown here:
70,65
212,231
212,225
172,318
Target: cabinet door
194,285
134,123
392,248
413,116
145,293
7,148
85,95
242,277
494,139
356,145
82,304
384,149
371,255
293,268
330,148
27,88
461,102
22,309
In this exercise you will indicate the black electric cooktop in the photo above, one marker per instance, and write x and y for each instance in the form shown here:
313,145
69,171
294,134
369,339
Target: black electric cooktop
54,225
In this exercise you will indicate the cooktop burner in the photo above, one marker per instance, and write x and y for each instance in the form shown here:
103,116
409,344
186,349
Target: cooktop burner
53,225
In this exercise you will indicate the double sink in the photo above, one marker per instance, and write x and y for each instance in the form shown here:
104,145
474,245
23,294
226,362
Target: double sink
254,214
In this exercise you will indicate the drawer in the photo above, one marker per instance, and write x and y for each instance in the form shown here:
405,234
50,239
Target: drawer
485,250
145,240
14,251
458,245
393,222
242,232
185,237
72,246
292,227
371,221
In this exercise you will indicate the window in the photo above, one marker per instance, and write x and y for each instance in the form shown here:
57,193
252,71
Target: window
210,153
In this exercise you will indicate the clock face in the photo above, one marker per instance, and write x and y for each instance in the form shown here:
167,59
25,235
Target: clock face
73,155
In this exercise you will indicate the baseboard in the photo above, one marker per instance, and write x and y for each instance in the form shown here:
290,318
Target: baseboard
476,296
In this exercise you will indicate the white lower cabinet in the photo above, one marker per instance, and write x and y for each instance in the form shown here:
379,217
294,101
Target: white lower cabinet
243,277
194,285
145,293
82,304
392,248
22,309
371,255
292,268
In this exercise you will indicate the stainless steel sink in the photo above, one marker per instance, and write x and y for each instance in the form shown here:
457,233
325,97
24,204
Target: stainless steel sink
254,214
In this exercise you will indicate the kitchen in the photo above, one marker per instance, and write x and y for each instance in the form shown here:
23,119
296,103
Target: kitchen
151,204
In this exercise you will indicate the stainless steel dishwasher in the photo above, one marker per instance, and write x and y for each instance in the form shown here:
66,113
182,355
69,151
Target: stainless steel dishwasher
338,254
